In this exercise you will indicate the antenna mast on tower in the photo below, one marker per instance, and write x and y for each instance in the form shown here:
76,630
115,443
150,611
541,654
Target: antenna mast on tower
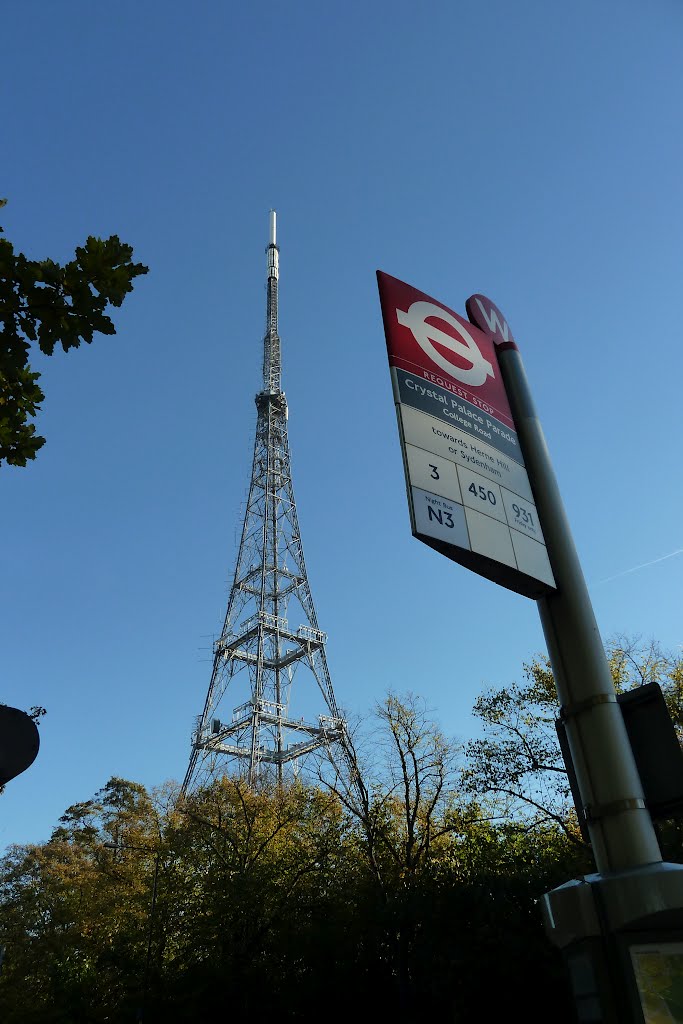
269,662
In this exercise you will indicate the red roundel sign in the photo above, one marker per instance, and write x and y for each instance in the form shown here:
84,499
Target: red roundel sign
432,341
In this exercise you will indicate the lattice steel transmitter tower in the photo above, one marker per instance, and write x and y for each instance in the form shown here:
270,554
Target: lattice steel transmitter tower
269,662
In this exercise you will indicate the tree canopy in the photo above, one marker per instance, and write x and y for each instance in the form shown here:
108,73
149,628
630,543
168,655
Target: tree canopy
277,900
405,887
48,303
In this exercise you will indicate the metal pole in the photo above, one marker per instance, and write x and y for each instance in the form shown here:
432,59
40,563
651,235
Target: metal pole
619,824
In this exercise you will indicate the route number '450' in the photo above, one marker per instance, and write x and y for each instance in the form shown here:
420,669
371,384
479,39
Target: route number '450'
482,493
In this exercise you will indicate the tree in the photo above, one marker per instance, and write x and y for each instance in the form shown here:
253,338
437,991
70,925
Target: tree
73,914
259,865
451,915
518,763
398,783
265,903
48,303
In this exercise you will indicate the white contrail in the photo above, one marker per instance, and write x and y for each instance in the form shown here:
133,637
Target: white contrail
672,554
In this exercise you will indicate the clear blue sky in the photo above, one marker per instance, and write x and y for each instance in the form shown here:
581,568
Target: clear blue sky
530,151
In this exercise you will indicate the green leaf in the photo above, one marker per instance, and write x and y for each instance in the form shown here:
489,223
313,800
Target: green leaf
44,302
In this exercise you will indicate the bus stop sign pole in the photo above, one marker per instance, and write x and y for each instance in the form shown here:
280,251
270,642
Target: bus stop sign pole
633,888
